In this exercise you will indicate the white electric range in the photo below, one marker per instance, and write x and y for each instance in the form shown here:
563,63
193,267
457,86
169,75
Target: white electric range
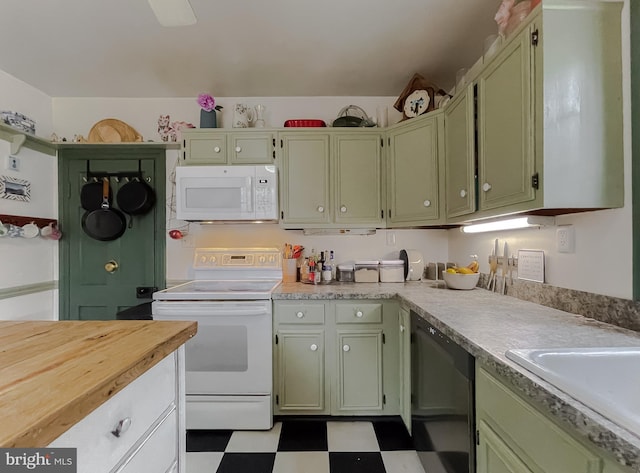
229,360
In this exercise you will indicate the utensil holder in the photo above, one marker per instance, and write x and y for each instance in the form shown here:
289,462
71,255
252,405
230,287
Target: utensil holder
289,270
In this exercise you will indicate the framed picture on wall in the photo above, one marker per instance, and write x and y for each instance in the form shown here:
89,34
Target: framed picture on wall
13,188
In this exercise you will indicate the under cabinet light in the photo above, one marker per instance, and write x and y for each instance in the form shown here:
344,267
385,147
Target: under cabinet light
173,12
510,224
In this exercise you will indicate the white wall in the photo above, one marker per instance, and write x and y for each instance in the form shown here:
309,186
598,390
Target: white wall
29,261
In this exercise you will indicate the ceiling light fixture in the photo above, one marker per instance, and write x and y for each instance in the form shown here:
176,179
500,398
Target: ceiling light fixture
173,12
510,224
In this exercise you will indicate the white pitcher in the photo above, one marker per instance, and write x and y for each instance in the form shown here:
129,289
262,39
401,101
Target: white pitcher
242,116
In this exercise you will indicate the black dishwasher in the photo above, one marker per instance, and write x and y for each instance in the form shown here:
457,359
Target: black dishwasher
442,400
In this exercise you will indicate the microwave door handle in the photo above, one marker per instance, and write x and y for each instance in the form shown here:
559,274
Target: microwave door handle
248,197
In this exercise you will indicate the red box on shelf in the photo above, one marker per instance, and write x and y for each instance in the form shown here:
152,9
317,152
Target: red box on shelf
304,123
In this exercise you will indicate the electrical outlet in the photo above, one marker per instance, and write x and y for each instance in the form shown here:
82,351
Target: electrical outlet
12,163
565,239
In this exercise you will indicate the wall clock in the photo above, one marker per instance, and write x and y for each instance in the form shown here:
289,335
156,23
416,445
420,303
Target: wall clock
416,103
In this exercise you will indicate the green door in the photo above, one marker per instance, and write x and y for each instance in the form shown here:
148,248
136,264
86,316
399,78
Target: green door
100,278
494,456
357,176
460,168
505,143
252,148
305,178
205,147
404,351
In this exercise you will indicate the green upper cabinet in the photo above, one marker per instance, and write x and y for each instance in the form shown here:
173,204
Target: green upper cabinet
357,165
216,146
416,159
304,179
505,145
331,179
460,169
548,118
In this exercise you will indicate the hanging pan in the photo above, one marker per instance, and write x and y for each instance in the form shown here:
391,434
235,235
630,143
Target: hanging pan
136,197
105,223
91,192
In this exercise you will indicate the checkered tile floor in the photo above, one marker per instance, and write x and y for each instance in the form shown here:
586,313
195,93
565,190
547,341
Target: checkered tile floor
306,446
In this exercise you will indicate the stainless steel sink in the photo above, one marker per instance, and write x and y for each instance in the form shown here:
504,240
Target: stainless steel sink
605,379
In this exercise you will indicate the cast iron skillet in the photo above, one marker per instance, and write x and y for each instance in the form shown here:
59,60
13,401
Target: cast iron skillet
91,195
105,223
136,197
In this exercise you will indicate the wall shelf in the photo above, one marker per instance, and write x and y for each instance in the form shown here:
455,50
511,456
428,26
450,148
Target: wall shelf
20,220
18,139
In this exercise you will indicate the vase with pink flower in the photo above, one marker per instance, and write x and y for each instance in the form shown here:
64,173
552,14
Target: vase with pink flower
208,110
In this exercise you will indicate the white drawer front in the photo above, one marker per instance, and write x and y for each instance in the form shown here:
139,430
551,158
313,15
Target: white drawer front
158,453
142,402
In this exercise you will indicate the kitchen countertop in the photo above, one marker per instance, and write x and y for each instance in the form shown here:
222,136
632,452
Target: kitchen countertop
52,374
487,324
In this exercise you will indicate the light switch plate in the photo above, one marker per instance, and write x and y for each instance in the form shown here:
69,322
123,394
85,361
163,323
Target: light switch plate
531,265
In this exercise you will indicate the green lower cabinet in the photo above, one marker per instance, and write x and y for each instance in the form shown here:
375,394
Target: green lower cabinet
300,368
359,382
494,455
404,364
337,358
514,436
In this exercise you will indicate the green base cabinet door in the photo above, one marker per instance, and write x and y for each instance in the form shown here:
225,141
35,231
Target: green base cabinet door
359,383
404,353
300,368
493,455
415,155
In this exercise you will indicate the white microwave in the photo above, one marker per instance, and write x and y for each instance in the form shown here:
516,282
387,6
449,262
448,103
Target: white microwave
227,193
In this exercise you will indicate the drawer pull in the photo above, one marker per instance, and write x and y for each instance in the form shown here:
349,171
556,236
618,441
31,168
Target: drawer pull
314,347
346,348
238,149
486,187
122,427
343,209
359,314
216,149
427,203
320,208
300,314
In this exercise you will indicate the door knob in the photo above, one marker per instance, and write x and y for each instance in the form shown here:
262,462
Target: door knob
238,149
111,266
346,348
320,208
486,187
463,193
300,314
314,347
343,209
359,314
216,149
427,203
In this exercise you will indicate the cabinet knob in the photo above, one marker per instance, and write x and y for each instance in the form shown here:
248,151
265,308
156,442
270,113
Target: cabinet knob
320,208
314,347
486,187
427,203
463,193
343,209
359,314
216,149
238,149
122,427
300,314
111,266
346,348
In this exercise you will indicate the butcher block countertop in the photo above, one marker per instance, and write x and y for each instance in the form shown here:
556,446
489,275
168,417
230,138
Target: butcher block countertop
52,374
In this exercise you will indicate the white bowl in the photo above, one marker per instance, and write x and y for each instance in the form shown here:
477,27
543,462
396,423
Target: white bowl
461,281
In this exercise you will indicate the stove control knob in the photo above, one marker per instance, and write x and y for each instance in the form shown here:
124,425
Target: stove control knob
203,259
262,259
212,260
272,259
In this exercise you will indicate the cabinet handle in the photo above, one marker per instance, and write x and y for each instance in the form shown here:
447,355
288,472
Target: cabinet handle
238,149
346,348
122,427
216,149
300,314
111,266
402,328
463,193
343,209
427,203
320,208
314,347
486,187
359,314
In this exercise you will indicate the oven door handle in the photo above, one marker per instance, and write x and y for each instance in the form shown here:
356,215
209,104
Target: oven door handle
208,310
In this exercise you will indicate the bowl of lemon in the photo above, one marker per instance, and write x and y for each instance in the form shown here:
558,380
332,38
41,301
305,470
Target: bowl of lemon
462,277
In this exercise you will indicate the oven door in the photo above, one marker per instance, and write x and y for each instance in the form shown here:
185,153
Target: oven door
231,351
